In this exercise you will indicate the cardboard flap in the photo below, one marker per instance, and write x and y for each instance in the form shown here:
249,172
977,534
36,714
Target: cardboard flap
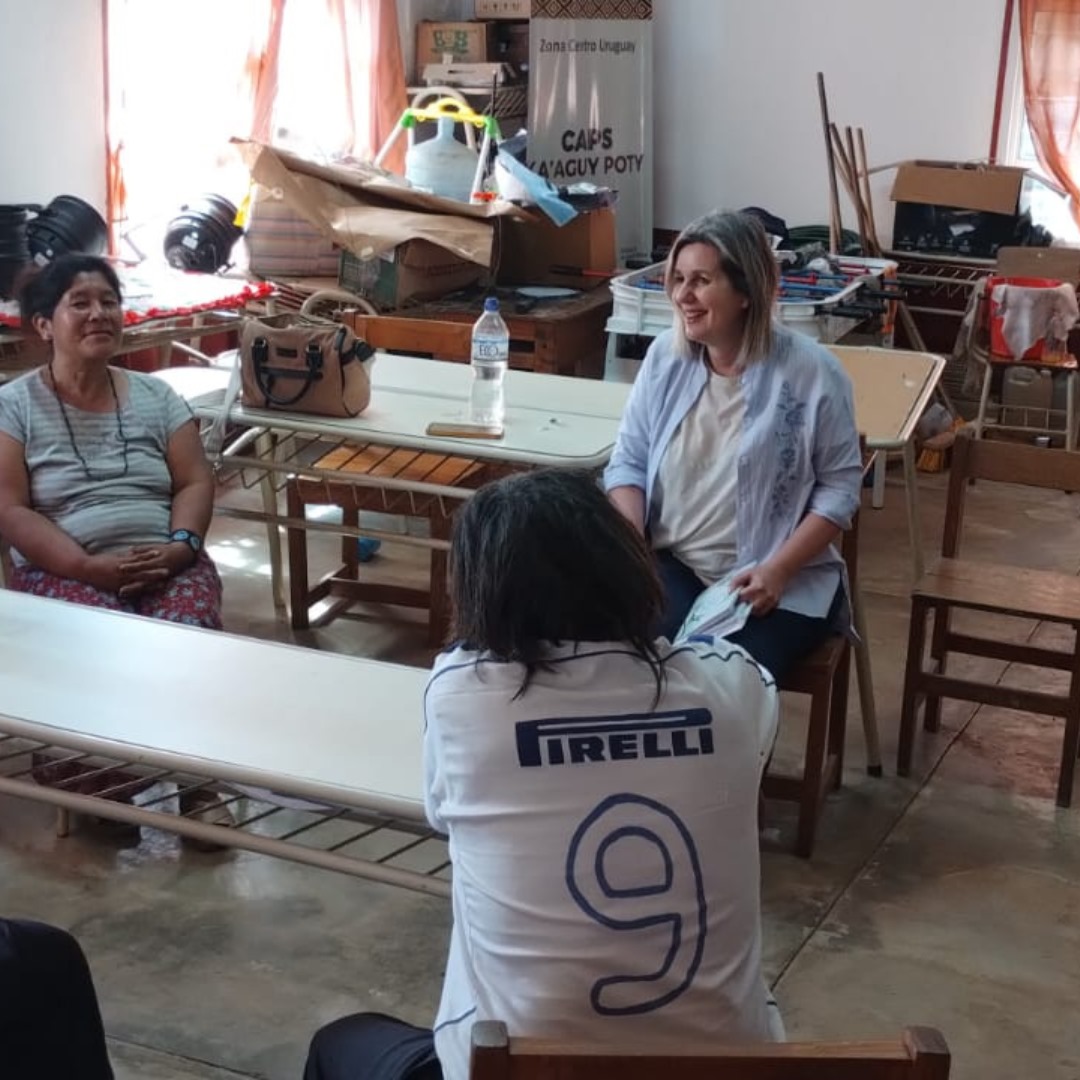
993,188
1058,263
363,178
367,212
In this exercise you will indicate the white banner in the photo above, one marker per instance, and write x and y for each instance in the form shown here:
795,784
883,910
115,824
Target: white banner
590,105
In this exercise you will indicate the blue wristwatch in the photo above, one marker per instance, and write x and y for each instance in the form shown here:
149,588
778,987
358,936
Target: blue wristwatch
193,540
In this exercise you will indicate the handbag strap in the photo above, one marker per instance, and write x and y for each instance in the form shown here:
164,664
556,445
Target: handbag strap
265,374
214,438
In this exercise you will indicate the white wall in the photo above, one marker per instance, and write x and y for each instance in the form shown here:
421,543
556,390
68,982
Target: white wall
52,119
737,117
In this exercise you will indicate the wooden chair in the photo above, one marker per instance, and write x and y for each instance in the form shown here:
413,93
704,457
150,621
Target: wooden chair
824,677
998,589
919,1054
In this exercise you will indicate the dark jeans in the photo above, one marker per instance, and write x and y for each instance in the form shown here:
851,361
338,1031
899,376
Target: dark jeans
50,1024
777,641
370,1046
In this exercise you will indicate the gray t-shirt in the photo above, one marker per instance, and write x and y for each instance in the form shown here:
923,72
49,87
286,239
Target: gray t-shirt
110,511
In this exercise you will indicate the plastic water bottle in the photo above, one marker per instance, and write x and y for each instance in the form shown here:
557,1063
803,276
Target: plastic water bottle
442,165
490,359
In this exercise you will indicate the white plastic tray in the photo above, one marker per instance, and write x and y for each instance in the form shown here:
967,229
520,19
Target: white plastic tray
641,306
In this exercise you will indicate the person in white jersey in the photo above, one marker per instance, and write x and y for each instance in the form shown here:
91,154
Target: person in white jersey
599,790
738,455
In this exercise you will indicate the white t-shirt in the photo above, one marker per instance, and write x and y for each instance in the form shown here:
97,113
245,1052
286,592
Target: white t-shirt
697,483
605,850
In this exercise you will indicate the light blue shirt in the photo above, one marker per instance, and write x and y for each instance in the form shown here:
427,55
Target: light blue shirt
798,450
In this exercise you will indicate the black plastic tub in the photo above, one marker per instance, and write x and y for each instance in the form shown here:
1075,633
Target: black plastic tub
202,236
67,225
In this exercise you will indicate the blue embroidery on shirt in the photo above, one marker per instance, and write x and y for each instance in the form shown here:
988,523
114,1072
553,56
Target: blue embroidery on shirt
792,417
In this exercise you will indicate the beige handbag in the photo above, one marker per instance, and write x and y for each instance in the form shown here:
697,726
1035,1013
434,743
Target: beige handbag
304,364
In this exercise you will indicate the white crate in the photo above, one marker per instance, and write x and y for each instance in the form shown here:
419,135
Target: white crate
640,305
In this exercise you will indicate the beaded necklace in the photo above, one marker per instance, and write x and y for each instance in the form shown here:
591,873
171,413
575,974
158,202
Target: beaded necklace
71,433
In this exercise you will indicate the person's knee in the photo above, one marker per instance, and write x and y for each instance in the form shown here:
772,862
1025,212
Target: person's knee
333,1044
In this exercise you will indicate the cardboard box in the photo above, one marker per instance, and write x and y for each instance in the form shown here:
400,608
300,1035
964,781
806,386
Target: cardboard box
503,9
415,270
1061,263
538,252
463,42
282,243
957,208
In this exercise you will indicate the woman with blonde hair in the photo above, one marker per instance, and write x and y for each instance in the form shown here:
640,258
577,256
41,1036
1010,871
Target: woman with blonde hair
737,455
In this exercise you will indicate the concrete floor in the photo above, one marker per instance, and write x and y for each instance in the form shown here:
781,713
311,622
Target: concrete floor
952,898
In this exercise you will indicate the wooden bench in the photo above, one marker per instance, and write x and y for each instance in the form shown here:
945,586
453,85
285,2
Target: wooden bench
920,1053
391,467
555,337
264,724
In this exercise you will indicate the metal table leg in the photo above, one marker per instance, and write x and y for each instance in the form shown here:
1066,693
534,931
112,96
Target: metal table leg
911,492
877,492
266,447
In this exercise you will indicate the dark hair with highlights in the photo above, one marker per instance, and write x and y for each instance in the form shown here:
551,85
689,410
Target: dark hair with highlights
542,558
41,290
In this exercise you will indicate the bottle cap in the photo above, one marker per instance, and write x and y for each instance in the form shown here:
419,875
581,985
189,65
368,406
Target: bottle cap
491,303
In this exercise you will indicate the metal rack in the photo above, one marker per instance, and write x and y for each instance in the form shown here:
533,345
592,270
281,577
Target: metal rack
363,844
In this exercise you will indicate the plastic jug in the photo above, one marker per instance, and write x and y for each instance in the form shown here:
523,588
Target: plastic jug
442,165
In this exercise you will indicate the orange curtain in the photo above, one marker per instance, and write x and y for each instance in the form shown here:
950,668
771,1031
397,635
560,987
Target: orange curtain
224,83
373,75
263,74
332,77
1050,55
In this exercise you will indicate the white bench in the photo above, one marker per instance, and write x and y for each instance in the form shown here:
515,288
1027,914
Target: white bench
198,710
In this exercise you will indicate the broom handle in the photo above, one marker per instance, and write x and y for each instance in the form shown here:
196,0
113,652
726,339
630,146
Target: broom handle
835,226
860,208
867,196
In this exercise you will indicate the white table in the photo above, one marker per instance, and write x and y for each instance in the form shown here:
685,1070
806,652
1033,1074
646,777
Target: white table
195,707
550,420
892,388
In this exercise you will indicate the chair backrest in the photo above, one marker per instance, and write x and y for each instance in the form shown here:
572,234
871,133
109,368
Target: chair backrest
919,1054
1006,462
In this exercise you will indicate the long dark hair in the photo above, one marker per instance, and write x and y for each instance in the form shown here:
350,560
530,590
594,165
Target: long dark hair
543,558
40,290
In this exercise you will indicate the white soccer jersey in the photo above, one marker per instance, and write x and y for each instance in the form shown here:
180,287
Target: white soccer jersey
605,850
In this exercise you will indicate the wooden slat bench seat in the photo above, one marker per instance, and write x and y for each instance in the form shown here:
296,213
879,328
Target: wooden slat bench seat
397,467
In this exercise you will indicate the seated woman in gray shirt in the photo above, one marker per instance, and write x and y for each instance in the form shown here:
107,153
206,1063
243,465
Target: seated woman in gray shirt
105,491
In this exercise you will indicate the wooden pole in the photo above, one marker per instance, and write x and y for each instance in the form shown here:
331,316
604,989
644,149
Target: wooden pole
835,225
860,208
868,198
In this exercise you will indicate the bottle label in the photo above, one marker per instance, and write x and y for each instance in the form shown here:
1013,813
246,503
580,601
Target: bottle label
493,351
